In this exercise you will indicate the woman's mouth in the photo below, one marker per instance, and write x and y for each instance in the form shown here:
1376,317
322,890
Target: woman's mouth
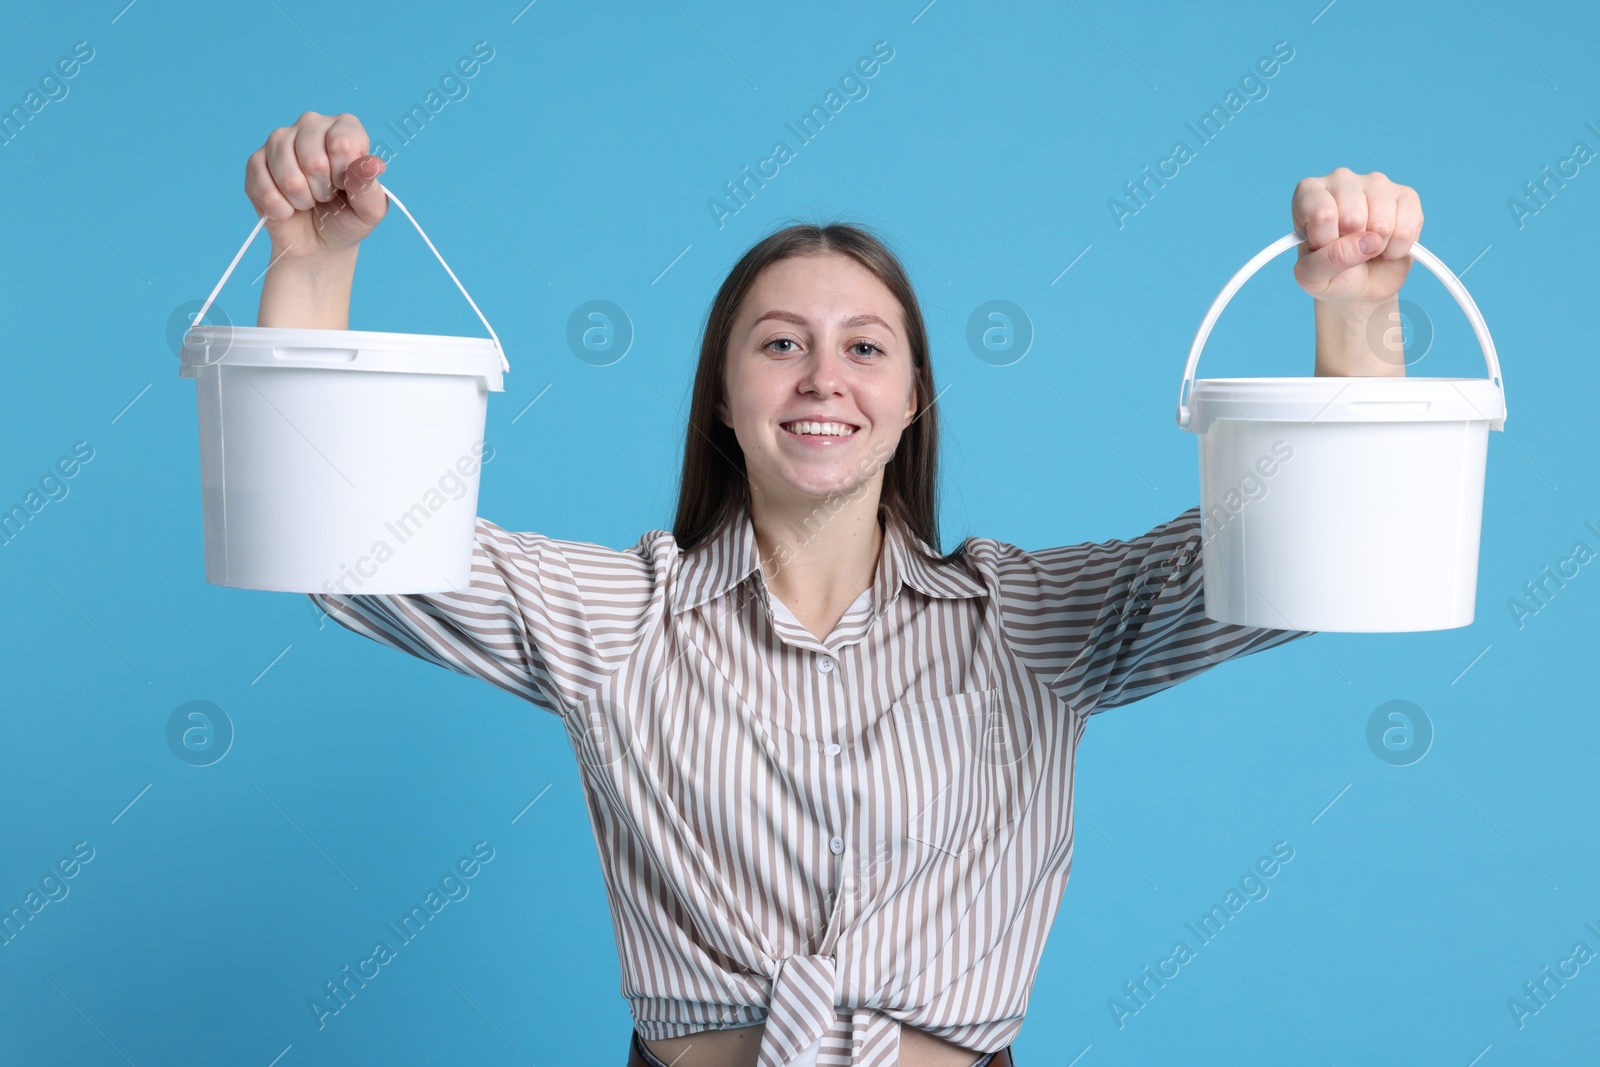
818,433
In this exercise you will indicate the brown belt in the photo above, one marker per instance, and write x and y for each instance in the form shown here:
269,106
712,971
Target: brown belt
1001,1058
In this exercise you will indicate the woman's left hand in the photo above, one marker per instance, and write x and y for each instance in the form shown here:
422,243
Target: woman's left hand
1359,229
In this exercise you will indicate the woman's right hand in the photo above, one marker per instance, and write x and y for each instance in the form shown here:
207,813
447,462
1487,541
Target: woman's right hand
317,186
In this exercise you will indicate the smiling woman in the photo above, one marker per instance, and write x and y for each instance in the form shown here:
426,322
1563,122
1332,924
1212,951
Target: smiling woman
823,365
829,768
908,718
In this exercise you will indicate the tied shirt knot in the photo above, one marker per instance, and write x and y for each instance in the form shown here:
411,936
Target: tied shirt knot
801,1010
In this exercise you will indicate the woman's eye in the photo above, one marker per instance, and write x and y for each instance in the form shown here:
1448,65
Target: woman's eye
871,349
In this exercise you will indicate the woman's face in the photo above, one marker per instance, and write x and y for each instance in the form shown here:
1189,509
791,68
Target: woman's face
819,339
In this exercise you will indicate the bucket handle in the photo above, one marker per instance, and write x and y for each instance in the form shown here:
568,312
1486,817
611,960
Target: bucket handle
504,366
1422,255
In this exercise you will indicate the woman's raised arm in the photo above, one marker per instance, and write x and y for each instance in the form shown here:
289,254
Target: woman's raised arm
318,188
1359,229
1106,623
543,619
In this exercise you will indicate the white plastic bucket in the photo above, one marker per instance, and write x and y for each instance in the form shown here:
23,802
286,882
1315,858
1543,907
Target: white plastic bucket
1342,504
340,460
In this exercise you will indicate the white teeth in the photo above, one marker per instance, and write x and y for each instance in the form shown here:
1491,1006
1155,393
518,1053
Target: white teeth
831,429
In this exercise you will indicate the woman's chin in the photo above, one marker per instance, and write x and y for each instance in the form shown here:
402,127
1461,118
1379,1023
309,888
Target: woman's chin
821,490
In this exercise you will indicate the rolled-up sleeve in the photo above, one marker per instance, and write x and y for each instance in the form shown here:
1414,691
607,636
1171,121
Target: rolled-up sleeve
1108,623
544,619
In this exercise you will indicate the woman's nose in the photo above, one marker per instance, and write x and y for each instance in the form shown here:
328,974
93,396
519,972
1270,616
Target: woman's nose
820,373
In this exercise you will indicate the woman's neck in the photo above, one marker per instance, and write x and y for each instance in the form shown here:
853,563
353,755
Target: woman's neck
815,559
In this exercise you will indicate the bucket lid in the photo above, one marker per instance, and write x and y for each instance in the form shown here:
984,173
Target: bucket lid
1341,399
363,350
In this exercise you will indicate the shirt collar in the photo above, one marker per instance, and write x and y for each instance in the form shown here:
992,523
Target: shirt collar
732,556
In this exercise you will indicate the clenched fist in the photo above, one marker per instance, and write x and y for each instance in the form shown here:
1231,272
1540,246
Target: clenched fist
1359,230
316,185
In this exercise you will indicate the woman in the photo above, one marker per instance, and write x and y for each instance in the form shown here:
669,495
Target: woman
829,771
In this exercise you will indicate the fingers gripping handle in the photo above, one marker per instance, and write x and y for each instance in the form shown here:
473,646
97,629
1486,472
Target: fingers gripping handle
1422,255
505,366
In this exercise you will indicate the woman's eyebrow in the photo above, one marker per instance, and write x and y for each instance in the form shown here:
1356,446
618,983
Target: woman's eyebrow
800,320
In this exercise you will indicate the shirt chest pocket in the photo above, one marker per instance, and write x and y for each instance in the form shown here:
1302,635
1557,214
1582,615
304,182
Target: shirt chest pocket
962,769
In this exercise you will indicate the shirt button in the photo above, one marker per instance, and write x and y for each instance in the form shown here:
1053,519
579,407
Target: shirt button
824,664
836,844
832,749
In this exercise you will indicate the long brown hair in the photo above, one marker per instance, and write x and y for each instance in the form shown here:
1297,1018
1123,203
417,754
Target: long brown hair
714,489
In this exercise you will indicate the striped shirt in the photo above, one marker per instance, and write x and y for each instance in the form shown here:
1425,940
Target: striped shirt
839,836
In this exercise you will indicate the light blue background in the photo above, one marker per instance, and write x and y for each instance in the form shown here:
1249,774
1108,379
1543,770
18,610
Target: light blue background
579,167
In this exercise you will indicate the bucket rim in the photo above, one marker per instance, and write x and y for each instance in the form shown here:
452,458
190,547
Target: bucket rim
212,350
1338,382
1334,398
319,337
